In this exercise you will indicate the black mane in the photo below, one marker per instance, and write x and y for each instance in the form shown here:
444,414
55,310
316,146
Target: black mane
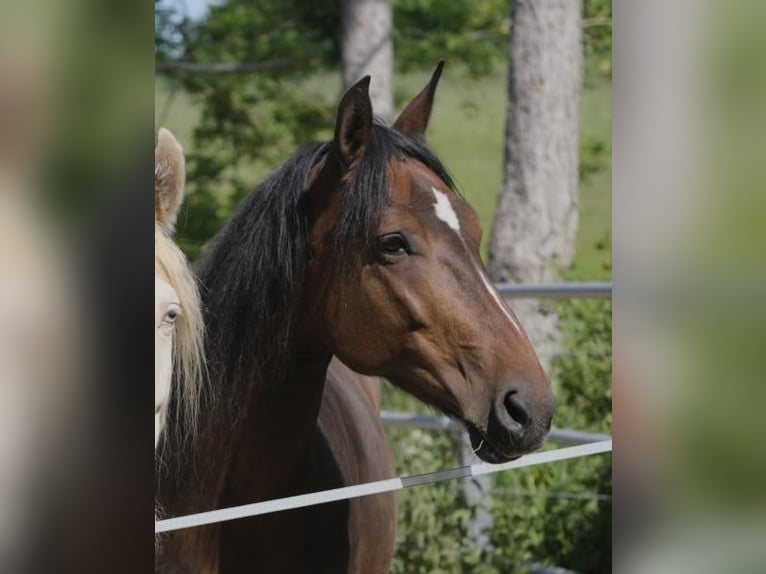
252,273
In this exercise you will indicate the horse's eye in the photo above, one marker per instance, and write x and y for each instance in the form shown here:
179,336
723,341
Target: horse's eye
170,316
394,244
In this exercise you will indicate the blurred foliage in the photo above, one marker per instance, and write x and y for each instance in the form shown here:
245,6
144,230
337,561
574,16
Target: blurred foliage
557,514
597,37
261,117
245,117
594,156
472,32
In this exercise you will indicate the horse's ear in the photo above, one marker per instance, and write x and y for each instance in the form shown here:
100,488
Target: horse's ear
354,124
413,120
169,178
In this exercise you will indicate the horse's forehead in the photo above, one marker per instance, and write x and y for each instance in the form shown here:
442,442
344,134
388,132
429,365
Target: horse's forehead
160,273
164,292
169,264
414,184
419,188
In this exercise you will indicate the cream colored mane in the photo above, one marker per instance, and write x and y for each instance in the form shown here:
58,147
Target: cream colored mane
189,373
188,345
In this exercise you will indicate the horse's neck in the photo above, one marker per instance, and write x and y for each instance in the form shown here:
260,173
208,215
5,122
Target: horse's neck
270,449
278,430
286,412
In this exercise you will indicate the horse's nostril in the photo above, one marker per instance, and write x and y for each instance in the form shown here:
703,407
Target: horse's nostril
516,409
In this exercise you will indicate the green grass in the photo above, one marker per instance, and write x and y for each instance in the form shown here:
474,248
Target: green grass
467,131
594,238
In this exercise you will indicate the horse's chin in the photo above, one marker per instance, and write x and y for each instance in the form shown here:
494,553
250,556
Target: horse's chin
485,450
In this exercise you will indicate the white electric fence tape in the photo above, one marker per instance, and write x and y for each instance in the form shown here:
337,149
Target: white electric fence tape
336,494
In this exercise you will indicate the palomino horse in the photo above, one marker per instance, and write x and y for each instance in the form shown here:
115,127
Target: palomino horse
358,248
177,317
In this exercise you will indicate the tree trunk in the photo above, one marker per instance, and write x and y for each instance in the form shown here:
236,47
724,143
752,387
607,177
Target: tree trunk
367,48
534,233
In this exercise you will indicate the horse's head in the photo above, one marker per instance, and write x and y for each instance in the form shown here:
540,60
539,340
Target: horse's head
414,303
177,317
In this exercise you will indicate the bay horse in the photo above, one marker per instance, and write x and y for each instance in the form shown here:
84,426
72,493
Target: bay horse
358,248
178,331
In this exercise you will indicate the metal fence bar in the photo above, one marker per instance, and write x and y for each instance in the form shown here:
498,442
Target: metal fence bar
573,437
568,290
395,419
376,487
559,436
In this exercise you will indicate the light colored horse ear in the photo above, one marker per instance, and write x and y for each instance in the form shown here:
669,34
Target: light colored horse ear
169,179
413,121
